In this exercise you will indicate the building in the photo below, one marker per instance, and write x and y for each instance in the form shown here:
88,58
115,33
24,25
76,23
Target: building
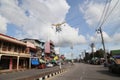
39,46
42,46
36,48
115,53
49,50
32,51
14,54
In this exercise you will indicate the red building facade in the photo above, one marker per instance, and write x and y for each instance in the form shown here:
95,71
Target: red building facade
49,50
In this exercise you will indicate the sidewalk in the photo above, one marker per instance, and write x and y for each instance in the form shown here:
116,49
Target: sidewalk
29,73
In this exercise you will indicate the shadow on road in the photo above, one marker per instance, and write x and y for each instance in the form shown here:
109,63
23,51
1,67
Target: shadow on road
106,72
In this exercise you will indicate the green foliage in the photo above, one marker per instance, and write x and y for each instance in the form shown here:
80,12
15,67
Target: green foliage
98,54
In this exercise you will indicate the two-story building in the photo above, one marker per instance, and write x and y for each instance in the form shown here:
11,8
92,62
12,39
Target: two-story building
37,55
39,46
14,54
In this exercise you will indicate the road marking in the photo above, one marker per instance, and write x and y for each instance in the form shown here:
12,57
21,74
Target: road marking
83,72
81,78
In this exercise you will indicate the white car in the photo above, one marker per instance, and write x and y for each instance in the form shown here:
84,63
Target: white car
49,65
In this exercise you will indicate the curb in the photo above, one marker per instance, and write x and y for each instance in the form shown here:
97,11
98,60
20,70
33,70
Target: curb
51,75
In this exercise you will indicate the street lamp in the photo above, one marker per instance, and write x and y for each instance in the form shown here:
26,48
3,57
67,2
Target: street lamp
92,45
72,54
58,30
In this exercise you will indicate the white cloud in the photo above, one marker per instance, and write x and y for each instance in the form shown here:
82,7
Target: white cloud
3,25
116,37
34,18
106,37
92,11
70,36
57,50
12,12
97,38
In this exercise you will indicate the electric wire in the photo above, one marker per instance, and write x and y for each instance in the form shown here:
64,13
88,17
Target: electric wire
103,12
108,14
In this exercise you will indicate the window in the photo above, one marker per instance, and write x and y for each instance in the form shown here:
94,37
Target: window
15,49
23,50
4,48
19,49
9,47
0,44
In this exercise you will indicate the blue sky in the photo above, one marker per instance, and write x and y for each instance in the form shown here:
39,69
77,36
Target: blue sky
34,19
75,17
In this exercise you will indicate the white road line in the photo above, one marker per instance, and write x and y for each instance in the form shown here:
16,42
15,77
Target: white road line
83,72
81,78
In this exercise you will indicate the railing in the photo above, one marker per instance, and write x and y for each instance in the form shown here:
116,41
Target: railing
15,53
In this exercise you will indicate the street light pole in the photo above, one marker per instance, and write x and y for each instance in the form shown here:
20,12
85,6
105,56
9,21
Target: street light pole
92,45
60,59
72,53
58,30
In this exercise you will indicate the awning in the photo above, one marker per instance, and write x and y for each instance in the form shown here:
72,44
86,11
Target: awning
42,61
53,61
56,58
117,56
34,61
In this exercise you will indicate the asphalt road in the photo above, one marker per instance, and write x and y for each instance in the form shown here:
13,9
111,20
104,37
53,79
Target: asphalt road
81,71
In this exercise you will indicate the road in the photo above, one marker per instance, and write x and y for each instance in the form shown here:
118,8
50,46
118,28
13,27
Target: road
81,71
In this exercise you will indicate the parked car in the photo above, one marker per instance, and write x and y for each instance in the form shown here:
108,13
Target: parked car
49,65
114,67
96,61
42,66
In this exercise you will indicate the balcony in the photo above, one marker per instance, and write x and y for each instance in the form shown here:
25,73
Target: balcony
11,53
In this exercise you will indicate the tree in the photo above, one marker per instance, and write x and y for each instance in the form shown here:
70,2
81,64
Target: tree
99,53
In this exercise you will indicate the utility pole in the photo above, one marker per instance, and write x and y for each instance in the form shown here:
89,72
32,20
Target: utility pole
105,54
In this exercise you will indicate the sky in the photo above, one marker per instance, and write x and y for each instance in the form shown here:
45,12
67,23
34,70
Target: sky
34,19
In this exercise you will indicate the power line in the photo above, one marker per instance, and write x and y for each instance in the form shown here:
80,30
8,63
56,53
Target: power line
108,12
100,20
105,18
100,30
105,13
112,10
